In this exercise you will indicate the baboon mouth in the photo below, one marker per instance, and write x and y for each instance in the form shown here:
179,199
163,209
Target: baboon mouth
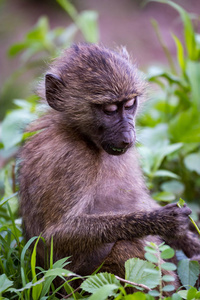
114,150
118,150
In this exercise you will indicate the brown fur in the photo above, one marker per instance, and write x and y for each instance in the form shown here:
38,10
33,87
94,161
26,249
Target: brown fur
95,205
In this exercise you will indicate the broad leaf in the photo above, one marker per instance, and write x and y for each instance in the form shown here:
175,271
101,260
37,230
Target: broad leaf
167,254
165,173
173,186
185,127
168,288
5,283
168,266
135,296
164,196
136,271
94,282
104,292
13,126
192,162
188,272
87,23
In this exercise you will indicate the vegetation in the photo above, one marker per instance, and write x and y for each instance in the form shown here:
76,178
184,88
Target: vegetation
169,144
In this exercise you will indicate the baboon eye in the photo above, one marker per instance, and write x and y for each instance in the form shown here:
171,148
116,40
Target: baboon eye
130,103
110,108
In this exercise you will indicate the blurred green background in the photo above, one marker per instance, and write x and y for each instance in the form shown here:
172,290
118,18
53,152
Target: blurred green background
124,22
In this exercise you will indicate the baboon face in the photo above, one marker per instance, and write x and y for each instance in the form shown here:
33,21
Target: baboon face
117,131
96,90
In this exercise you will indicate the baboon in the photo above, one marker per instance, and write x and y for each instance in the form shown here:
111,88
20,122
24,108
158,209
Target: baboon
80,180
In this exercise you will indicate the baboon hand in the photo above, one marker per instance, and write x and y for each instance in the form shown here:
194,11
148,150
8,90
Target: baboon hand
171,221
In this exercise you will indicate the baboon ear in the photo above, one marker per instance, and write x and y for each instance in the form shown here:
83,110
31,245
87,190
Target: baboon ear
54,88
124,53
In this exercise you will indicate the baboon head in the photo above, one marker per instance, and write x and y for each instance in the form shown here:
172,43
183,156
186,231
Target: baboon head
95,91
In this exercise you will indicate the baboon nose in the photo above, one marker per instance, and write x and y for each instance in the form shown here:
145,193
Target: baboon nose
128,139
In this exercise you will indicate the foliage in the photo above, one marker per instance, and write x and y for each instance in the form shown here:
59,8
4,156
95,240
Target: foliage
156,254
170,125
41,44
170,149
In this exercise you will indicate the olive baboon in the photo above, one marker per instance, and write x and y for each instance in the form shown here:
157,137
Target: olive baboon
80,180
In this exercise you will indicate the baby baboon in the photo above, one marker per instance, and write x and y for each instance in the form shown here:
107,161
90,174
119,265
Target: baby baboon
80,180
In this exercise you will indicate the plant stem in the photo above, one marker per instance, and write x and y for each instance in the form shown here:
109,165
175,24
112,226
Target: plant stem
160,272
133,283
195,225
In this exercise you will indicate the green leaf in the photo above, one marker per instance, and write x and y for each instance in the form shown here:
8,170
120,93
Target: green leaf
168,288
153,156
33,260
181,202
135,271
61,263
69,8
164,247
13,126
39,32
5,283
176,297
164,196
168,253
165,173
192,162
23,104
197,296
104,292
170,77
154,293
94,282
171,148
5,200
149,297
168,266
193,73
151,137
168,278
151,257
87,23
188,272
58,272
28,286
150,249
135,296
191,293
17,48
36,290
173,186
180,53
183,294
50,275
185,127
23,258
188,29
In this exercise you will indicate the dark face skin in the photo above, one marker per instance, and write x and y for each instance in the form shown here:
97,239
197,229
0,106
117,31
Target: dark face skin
117,131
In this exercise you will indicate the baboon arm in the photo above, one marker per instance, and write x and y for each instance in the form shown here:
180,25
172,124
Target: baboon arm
86,230
97,229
